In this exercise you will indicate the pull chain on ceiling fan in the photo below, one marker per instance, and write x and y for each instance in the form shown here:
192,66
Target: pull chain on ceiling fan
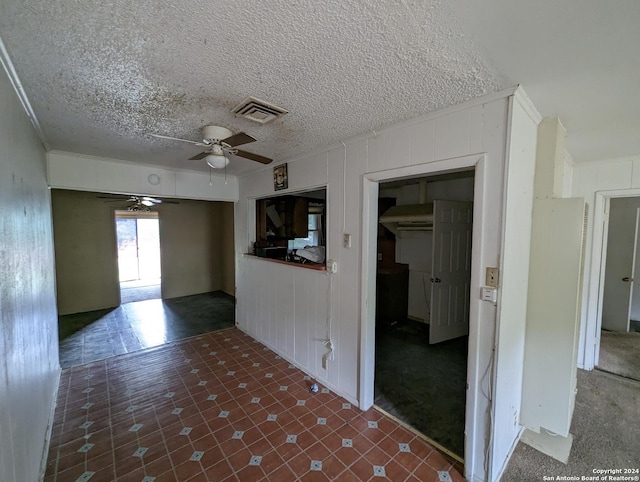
218,143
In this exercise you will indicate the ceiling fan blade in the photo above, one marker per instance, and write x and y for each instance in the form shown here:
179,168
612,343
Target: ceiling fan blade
254,157
151,199
238,139
197,157
147,203
178,139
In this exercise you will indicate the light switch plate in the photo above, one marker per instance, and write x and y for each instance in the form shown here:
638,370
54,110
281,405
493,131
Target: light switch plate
489,294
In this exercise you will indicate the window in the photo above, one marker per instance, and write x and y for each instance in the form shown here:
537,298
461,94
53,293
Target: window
291,222
314,234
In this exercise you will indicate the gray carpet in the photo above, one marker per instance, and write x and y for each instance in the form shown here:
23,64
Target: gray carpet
605,429
620,354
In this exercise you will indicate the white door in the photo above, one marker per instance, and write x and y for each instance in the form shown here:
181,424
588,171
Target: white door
619,271
451,273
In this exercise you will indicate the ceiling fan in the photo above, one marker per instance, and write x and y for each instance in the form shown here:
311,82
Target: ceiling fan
218,143
137,203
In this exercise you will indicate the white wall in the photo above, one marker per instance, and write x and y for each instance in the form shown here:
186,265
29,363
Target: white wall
66,170
29,371
268,293
616,178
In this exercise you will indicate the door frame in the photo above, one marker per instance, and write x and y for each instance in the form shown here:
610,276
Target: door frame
593,321
476,346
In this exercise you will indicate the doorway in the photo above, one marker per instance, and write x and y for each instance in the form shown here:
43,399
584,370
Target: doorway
139,266
620,322
422,304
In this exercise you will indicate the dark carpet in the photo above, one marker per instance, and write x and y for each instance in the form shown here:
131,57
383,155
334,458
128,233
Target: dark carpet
421,384
140,293
95,335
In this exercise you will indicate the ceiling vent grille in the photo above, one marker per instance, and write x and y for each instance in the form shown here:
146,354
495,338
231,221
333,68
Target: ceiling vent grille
258,110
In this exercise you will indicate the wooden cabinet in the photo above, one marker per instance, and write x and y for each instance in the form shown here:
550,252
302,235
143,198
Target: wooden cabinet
392,293
282,218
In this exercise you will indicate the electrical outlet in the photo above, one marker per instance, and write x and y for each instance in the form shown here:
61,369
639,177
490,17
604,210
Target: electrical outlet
492,275
346,240
332,266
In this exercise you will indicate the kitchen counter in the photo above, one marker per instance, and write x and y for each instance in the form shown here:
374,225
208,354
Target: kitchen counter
307,265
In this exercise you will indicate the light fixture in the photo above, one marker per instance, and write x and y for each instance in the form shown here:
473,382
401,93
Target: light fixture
216,161
217,158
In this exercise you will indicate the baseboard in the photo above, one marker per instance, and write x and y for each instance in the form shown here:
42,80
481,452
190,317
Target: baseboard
49,431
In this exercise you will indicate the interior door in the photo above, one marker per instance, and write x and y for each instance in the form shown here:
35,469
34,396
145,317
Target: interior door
620,262
451,272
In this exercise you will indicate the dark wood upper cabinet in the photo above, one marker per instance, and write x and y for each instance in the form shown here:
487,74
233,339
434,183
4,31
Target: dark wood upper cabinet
282,218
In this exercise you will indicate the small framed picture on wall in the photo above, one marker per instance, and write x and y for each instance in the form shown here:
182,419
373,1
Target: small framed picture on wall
280,179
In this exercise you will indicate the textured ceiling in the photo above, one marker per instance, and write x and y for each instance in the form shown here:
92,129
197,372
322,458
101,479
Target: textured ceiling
102,75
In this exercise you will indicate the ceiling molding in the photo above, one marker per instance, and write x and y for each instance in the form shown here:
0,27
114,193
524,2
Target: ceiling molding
22,95
526,103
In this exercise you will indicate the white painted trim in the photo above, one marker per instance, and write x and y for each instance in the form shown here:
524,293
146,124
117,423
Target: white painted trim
368,286
483,100
568,159
22,95
591,348
505,464
47,435
368,291
525,102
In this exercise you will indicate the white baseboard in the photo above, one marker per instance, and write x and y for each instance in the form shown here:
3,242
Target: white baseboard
47,435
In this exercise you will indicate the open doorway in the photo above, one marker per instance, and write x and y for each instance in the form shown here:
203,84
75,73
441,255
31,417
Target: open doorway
139,266
422,304
620,329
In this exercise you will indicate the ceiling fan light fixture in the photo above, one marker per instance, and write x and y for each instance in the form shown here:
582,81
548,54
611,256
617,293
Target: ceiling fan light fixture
216,161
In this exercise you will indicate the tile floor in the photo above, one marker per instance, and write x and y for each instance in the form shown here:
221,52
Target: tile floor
221,406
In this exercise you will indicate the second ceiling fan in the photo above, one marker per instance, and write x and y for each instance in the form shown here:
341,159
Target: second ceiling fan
218,143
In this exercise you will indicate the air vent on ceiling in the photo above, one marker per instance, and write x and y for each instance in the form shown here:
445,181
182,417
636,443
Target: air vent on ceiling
258,110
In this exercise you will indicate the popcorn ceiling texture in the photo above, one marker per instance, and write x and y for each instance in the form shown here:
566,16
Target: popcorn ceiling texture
102,74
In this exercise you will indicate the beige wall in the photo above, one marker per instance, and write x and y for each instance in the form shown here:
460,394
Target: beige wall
29,368
192,251
86,252
196,250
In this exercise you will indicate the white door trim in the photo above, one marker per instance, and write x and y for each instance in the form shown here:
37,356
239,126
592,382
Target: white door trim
477,347
593,322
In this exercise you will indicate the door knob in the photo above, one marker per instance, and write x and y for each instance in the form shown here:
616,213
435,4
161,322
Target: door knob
436,280
626,279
